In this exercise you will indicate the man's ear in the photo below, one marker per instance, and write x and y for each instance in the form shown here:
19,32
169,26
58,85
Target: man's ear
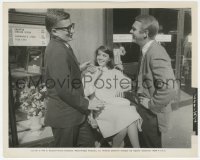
53,32
146,34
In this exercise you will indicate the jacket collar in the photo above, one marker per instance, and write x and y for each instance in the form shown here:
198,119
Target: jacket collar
65,44
60,40
146,47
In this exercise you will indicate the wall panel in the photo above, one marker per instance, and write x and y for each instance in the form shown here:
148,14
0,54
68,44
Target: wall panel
89,32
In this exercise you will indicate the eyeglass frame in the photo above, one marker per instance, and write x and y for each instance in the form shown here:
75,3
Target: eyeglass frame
68,28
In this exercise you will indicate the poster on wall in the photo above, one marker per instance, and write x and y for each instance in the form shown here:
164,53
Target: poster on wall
27,35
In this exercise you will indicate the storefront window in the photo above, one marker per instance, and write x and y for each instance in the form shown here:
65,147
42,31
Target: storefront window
122,22
27,43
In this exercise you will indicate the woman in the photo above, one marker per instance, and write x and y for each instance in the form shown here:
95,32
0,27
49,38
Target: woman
108,84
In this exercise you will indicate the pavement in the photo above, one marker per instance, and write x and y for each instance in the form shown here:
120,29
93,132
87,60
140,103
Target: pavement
181,130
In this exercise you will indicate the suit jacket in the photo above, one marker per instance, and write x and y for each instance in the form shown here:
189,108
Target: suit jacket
158,83
66,105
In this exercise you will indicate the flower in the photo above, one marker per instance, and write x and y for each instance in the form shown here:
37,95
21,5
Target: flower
32,100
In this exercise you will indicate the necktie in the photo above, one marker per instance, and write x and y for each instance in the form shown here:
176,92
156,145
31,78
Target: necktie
139,75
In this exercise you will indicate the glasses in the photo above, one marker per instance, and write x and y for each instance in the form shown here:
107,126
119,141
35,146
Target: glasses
68,28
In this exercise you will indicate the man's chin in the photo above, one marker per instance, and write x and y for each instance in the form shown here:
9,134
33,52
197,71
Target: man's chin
134,40
68,40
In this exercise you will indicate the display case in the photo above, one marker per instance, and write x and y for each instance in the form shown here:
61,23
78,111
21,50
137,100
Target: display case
27,42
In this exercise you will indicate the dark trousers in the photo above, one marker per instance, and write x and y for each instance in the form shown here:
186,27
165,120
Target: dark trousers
150,137
75,136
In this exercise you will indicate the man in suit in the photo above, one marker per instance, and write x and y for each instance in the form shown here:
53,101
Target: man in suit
67,108
156,85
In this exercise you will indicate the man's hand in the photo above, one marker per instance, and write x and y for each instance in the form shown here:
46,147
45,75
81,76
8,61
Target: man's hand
144,101
120,67
85,65
91,68
97,74
96,105
119,93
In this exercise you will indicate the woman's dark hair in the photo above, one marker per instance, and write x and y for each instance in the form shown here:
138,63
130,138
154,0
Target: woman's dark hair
53,16
108,51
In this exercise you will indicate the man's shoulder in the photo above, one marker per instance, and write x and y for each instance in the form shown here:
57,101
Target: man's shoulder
156,47
56,47
53,44
157,50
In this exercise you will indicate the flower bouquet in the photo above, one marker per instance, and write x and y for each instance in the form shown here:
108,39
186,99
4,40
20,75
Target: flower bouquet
32,100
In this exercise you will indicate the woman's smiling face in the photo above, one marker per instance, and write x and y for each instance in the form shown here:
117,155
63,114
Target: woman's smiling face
102,58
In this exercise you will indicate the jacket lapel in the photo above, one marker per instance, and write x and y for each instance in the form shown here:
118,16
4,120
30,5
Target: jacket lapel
141,71
71,53
145,56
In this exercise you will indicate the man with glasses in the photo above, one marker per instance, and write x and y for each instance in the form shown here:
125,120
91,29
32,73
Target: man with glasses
67,108
156,86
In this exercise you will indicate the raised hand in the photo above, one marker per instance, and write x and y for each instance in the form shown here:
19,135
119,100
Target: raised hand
96,105
144,101
98,73
85,65
119,93
91,68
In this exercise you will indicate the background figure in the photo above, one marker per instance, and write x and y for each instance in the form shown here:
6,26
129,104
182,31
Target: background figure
118,51
108,84
66,107
186,61
156,86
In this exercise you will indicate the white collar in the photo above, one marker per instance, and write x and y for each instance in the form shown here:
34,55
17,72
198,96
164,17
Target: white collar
146,47
68,46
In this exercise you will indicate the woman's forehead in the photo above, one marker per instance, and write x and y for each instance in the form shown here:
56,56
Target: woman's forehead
102,52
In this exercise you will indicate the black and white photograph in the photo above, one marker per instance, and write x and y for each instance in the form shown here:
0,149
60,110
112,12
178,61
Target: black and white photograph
101,78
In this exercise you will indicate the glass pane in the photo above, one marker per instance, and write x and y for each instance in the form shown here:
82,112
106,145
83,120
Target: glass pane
122,22
27,45
186,55
26,64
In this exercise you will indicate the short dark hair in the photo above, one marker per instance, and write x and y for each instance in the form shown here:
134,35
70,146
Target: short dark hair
149,23
53,16
108,51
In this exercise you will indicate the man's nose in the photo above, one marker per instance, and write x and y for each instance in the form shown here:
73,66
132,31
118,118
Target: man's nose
72,30
131,31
